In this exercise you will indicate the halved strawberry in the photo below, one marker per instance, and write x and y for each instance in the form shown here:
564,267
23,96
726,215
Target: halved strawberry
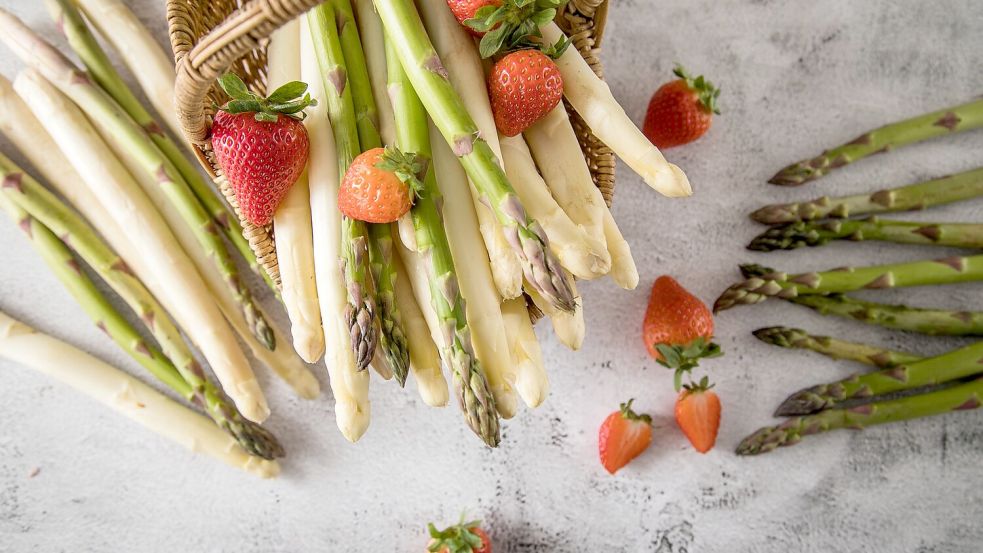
698,414
624,435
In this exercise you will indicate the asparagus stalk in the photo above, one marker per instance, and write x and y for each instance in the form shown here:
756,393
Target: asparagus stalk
938,123
125,395
361,312
392,339
374,47
139,52
785,337
447,292
465,70
428,76
140,151
292,220
809,233
948,189
95,60
954,365
949,270
424,357
958,398
188,381
531,381
190,300
26,132
585,256
593,100
349,385
568,327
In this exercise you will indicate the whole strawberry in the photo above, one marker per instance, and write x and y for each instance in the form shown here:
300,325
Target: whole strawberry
261,145
381,184
524,86
466,10
698,414
681,111
624,435
677,328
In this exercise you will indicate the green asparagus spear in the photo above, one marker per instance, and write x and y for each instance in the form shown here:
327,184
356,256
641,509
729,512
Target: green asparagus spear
361,313
807,233
785,337
756,289
85,45
954,365
429,77
29,204
137,146
938,123
939,191
412,135
392,339
958,398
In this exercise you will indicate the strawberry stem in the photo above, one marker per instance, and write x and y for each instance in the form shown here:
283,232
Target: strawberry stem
409,168
683,359
290,99
707,92
629,414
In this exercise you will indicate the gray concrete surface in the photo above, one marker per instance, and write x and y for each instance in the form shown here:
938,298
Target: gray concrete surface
796,76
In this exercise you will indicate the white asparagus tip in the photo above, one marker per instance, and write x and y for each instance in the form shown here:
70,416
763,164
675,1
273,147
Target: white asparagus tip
248,397
672,183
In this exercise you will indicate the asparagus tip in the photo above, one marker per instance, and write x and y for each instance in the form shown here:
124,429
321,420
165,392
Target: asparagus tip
801,403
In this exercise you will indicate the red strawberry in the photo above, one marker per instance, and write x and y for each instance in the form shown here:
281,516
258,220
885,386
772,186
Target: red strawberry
524,86
465,537
380,185
464,10
261,145
698,415
624,435
681,111
677,328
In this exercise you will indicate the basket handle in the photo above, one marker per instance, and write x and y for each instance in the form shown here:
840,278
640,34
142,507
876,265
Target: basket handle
199,65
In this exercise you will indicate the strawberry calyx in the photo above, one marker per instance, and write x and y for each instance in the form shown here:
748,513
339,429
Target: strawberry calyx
628,414
684,358
457,539
704,89
409,168
512,25
698,387
290,99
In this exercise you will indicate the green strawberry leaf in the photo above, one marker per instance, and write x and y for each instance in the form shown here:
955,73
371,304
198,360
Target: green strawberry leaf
232,85
243,106
288,92
705,90
684,358
410,168
290,99
513,25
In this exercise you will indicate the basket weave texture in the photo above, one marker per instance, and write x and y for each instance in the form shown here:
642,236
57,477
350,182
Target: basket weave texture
212,37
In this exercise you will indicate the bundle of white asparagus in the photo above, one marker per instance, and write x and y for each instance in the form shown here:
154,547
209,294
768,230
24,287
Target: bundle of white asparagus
147,223
499,221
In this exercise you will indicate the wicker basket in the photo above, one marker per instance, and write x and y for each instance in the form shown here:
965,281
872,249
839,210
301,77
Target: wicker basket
212,37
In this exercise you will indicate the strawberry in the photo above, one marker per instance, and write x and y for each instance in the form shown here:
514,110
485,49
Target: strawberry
698,414
624,435
465,10
381,184
261,145
681,111
677,328
465,537
524,86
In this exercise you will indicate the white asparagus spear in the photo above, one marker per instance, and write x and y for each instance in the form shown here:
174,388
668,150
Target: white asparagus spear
593,100
349,386
187,295
568,327
424,357
294,237
460,57
530,372
152,67
125,394
550,140
558,156
482,302
374,46
585,256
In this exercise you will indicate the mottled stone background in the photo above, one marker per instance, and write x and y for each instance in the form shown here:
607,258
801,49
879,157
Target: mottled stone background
796,76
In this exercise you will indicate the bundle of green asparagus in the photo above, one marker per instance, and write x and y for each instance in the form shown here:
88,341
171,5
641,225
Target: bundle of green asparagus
904,386
147,224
